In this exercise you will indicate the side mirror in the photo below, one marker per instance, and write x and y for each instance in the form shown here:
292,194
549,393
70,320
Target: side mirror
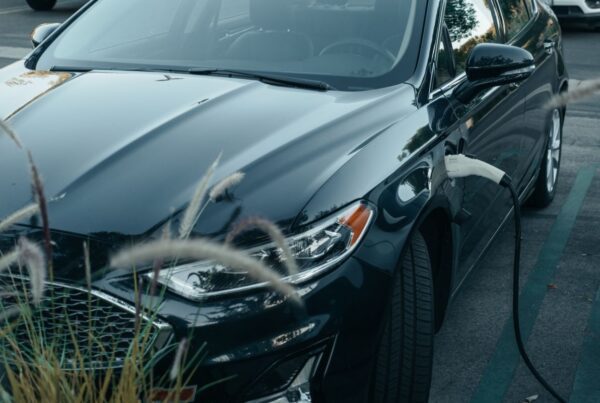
41,32
490,65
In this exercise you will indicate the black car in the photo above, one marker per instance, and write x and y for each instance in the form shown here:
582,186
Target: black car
340,114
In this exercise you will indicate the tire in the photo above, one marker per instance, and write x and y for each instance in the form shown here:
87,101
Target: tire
404,360
545,186
41,5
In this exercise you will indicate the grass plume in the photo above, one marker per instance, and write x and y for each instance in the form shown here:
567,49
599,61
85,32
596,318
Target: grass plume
227,183
584,90
192,212
225,255
9,259
40,197
272,231
158,263
87,265
41,368
18,216
32,257
177,361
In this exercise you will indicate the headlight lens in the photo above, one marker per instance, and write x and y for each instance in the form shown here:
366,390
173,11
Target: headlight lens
316,250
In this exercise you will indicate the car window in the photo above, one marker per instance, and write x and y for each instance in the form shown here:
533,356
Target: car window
516,16
158,20
350,44
470,22
234,9
533,7
444,70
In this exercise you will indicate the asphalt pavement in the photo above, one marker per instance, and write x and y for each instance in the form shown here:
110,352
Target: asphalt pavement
17,21
476,358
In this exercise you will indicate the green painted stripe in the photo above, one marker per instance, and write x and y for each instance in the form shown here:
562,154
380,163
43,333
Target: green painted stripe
586,388
499,373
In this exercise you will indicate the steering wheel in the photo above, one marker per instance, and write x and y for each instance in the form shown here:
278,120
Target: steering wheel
353,43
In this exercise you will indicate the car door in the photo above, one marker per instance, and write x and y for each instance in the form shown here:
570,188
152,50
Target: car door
527,28
491,123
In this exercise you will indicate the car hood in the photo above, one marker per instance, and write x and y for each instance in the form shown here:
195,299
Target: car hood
122,152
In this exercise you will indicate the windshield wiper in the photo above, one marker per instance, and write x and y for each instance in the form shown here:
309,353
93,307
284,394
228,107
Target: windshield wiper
73,69
69,69
284,81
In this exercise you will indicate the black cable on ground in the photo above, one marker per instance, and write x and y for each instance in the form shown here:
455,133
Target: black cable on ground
461,166
516,268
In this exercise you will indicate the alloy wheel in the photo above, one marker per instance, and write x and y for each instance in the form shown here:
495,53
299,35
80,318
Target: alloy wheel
553,151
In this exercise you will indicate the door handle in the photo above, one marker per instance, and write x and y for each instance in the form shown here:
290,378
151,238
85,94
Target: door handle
549,46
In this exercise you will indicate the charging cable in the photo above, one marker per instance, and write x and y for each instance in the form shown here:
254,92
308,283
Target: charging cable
461,166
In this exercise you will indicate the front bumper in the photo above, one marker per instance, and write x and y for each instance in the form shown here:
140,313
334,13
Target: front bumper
577,10
257,344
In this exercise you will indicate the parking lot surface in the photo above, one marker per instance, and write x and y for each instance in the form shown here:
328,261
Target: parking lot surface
476,358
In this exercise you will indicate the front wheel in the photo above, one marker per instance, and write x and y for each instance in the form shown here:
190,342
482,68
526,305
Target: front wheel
545,187
41,5
405,356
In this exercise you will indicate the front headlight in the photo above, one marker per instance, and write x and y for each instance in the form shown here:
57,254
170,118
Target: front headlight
316,250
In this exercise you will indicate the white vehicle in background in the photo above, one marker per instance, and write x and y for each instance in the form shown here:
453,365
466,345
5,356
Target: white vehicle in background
41,5
576,10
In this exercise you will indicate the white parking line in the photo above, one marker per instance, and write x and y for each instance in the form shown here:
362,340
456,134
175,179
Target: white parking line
13,10
7,52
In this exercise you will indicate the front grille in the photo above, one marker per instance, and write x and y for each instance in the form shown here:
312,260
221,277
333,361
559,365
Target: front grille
79,327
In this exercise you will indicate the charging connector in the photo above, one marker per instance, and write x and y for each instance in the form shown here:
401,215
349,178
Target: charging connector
461,166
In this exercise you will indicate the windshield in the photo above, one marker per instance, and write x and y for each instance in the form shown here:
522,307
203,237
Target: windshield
349,44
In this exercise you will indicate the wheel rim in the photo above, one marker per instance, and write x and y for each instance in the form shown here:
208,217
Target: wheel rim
553,151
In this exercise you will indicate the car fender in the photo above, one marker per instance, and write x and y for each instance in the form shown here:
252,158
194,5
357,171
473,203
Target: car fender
401,172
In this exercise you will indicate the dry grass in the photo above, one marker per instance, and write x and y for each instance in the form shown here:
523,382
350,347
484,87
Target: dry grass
223,186
19,216
583,91
196,250
272,231
36,369
194,209
32,257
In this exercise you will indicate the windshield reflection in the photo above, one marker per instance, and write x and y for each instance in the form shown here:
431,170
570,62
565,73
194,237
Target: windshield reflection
335,38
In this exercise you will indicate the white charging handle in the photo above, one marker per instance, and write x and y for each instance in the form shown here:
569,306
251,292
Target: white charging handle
461,166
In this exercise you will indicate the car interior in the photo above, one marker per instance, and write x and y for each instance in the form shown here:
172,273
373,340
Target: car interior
354,38
365,36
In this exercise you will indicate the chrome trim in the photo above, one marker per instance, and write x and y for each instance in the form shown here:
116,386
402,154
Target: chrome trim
163,330
522,70
448,86
160,324
434,92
